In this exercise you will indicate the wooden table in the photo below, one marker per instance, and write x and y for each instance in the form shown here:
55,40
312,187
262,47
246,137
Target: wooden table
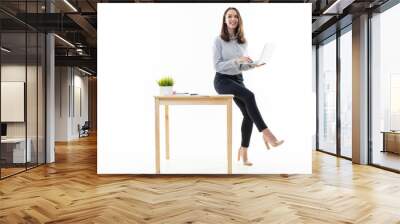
191,100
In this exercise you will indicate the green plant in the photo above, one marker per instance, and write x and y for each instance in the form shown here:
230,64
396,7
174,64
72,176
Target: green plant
166,81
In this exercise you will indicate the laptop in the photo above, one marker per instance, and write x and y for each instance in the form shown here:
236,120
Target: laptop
266,54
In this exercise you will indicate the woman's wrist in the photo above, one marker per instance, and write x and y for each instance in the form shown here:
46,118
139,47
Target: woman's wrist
237,61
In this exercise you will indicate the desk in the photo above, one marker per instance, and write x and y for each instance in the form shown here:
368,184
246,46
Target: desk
191,100
17,153
391,141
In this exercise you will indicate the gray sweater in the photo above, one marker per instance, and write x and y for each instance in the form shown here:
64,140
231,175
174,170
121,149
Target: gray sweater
225,55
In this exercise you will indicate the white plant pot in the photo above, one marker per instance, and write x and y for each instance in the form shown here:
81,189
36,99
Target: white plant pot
166,90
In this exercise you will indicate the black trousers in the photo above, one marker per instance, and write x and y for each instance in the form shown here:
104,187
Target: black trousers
244,99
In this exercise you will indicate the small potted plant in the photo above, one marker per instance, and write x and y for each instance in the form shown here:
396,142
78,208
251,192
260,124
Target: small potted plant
166,84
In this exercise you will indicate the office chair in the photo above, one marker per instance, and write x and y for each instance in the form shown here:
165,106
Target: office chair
84,130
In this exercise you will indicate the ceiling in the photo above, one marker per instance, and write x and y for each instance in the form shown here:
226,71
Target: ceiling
76,22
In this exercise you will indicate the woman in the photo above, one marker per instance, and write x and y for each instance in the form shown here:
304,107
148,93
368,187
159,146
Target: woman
229,61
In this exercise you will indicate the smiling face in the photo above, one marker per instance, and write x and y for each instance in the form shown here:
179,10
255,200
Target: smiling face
232,26
232,19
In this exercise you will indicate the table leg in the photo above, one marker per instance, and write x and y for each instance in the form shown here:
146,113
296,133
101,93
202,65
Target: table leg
229,134
167,131
157,130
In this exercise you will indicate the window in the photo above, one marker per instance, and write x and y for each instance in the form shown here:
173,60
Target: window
385,89
327,96
346,93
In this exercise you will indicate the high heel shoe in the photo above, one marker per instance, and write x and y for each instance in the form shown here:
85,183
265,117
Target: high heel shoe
245,162
274,144
270,139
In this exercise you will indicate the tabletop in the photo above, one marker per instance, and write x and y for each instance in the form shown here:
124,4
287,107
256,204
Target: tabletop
222,96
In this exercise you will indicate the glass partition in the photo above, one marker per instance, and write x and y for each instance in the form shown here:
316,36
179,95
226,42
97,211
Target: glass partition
41,86
14,153
22,77
385,89
346,93
32,95
327,96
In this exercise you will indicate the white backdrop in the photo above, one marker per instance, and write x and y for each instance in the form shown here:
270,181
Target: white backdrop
139,43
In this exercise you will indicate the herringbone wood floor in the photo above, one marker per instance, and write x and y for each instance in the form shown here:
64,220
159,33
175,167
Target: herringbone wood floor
70,191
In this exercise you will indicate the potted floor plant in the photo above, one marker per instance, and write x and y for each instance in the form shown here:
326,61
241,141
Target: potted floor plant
166,83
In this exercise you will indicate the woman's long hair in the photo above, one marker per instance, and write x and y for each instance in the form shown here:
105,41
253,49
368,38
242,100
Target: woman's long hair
239,29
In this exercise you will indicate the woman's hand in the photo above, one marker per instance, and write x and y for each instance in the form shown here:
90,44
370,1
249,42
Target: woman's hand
259,65
244,60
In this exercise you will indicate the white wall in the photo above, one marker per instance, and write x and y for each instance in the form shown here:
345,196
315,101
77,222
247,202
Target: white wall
68,81
80,83
61,103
